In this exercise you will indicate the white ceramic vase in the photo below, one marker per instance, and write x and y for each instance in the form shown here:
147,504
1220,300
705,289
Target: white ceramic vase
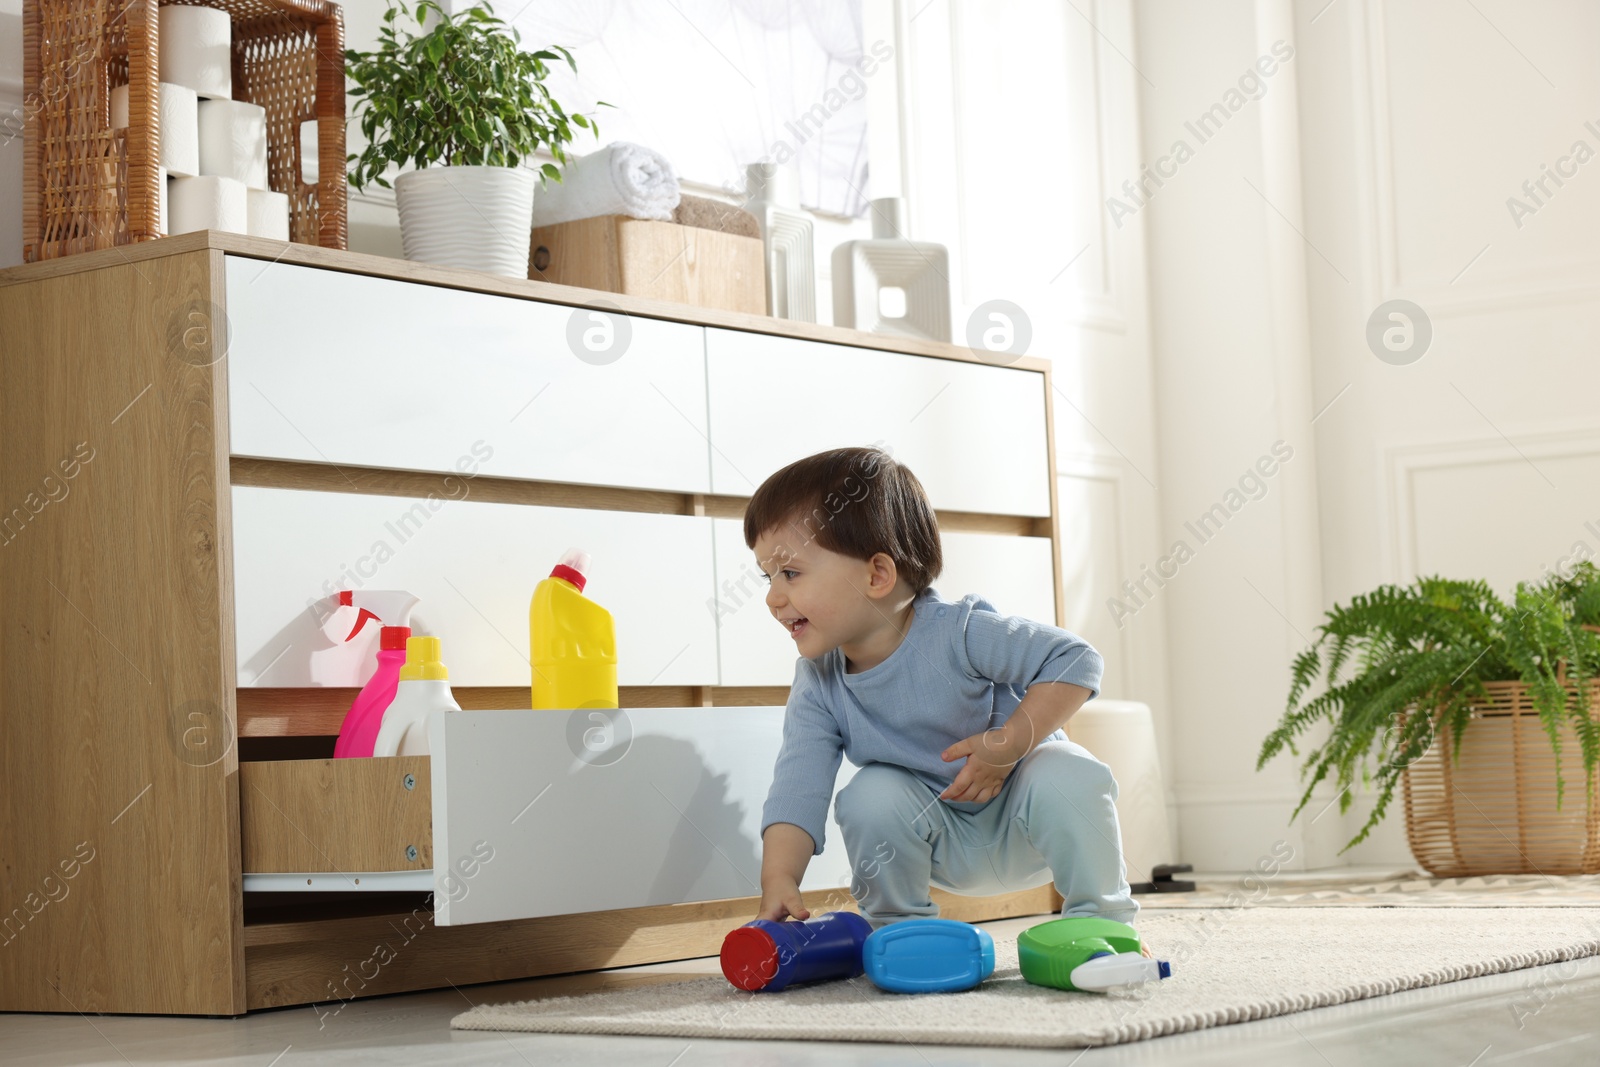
862,270
478,217
772,195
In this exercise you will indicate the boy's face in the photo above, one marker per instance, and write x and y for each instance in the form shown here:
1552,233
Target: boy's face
837,597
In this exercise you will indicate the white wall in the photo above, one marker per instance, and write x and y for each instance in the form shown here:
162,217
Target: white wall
1481,459
1227,279
1378,169
1015,119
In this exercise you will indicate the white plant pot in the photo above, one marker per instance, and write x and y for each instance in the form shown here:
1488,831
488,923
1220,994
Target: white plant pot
478,217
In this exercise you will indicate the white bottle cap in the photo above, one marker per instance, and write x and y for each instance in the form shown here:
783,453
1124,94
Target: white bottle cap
577,559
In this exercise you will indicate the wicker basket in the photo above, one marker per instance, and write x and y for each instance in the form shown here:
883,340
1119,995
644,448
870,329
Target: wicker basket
1493,811
88,186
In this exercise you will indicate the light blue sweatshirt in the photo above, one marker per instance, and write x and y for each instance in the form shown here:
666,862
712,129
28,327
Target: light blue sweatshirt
961,668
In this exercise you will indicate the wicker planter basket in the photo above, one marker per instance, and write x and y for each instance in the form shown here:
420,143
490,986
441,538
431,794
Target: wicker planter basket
87,186
1494,810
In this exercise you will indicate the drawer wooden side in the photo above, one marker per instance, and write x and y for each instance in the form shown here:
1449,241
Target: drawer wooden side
336,815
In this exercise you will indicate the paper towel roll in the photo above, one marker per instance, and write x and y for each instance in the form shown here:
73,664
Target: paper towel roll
180,130
180,134
1122,735
208,202
196,48
233,141
268,214
161,208
309,157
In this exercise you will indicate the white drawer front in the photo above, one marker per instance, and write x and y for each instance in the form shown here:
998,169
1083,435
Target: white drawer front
973,434
1014,573
552,813
755,649
474,565
329,367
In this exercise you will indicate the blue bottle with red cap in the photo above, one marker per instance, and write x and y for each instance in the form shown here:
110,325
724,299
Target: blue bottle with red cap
765,956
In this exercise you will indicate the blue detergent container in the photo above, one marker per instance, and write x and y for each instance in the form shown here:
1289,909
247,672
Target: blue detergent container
928,956
766,956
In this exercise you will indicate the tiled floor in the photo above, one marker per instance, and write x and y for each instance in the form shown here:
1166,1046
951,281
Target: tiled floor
1548,1015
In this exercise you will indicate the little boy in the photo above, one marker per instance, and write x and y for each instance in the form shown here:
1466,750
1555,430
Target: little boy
952,712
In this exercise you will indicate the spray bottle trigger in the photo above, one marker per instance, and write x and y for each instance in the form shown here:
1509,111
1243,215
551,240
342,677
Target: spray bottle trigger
361,621
1104,971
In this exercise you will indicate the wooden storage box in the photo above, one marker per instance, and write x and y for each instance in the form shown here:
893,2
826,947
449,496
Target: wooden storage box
656,260
86,185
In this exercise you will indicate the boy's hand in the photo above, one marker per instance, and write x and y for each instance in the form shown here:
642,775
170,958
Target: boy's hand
989,761
780,900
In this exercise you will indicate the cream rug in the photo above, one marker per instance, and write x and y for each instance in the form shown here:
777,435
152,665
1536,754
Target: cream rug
1229,965
1401,888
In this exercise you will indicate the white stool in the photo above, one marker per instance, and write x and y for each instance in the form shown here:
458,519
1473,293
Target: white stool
1122,735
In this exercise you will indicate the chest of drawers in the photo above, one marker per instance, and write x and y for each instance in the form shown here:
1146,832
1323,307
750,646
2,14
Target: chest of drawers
251,425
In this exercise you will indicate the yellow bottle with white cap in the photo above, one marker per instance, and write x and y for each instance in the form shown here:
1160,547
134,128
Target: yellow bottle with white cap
424,687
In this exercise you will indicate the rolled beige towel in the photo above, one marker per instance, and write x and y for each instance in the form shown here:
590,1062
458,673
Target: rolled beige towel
710,214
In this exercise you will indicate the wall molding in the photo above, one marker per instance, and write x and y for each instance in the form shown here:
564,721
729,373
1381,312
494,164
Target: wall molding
1103,311
1086,463
1401,465
1524,288
1210,796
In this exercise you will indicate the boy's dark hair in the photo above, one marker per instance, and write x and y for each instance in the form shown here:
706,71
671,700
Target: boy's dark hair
855,502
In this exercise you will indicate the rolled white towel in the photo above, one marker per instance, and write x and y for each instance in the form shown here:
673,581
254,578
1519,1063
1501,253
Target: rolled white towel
619,179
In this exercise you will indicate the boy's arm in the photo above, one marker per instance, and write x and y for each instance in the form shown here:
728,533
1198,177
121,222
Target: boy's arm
1019,651
807,764
796,811
1044,709
785,851
1060,670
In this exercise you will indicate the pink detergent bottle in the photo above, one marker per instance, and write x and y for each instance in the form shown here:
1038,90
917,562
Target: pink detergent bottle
361,723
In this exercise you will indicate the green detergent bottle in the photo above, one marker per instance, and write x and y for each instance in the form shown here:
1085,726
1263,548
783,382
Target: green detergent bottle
1087,953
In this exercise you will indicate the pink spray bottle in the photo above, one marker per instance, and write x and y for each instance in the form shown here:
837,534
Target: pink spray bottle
392,610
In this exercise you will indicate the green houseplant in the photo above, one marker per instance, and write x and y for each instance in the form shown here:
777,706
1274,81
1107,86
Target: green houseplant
1425,662
465,105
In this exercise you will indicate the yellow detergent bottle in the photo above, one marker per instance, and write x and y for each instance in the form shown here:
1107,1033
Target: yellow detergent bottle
572,640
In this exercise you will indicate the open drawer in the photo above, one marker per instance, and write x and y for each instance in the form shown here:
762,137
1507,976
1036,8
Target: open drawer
522,814
320,825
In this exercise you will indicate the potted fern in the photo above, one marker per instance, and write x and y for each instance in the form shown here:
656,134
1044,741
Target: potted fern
1466,703
464,105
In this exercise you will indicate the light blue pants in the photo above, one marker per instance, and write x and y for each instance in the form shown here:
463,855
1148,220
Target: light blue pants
1054,818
